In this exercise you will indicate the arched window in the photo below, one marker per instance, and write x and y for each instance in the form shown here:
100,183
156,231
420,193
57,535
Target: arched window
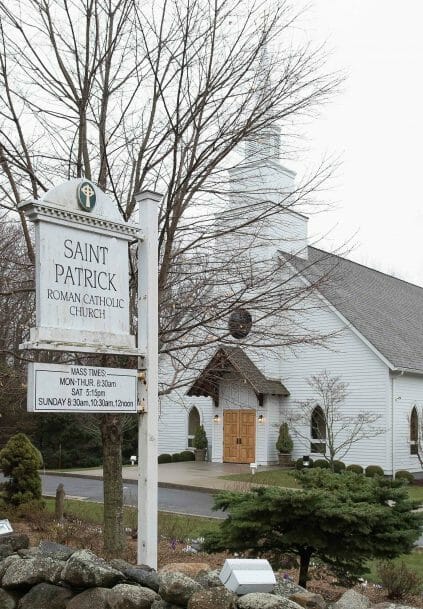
414,432
318,431
193,423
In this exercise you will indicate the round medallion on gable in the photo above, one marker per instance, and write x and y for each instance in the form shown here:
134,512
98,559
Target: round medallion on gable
240,323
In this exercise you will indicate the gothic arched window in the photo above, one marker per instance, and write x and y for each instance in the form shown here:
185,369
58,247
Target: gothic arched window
240,323
414,432
193,423
318,431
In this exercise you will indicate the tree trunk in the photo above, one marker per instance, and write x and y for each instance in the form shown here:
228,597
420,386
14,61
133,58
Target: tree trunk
304,564
111,435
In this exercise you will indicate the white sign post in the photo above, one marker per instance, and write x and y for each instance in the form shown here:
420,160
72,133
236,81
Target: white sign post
148,386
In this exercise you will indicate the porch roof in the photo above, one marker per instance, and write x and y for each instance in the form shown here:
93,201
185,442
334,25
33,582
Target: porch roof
233,358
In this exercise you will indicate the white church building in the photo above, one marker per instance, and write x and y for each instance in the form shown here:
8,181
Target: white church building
376,321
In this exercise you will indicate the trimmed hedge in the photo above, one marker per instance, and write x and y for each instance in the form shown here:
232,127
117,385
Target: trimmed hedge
402,474
176,457
164,458
373,470
338,467
187,455
322,463
357,469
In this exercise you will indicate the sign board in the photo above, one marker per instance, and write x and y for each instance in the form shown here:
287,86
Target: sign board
85,389
82,272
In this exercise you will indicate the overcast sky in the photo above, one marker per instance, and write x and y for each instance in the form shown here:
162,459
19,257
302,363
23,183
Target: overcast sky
375,125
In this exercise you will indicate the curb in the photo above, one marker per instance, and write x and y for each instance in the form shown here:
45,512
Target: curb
170,485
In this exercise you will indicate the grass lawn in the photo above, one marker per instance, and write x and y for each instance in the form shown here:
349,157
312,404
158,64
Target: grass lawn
175,526
283,477
413,561
273,477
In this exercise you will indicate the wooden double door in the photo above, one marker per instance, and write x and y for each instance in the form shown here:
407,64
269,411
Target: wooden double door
239,436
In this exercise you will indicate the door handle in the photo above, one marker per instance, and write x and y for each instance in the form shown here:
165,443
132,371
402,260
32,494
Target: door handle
240,440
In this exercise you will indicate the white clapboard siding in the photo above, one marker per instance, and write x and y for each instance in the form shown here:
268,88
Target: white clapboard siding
348,357
407,393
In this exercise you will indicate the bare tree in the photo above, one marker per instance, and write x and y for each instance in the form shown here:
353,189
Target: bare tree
161,95
323,422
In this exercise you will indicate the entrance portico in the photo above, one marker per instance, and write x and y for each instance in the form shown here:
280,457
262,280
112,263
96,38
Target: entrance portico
246,409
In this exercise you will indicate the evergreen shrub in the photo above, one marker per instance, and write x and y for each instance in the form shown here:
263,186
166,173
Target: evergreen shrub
284,442
20,462
338,466
200,439
373,470
164,458
398,580
357,469
176,457
402,474
321,463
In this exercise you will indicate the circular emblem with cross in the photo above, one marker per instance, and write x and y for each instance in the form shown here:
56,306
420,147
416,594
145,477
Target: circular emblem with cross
86,196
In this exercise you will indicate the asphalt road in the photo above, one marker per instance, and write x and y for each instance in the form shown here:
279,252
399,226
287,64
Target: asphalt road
170,500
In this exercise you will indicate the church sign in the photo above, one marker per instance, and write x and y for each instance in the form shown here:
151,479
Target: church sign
87,389
82,275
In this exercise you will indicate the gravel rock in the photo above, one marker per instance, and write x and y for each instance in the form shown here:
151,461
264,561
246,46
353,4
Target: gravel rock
31,571
86,570
142,575
263,600
95,598
127,596
351,599
177,588
45,595
213,598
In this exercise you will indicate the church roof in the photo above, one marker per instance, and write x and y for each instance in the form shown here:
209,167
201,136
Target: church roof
386,310
233,358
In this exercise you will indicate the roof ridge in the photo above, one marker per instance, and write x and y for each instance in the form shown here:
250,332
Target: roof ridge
415,285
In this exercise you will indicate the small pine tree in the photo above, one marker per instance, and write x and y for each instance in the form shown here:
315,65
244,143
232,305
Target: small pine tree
284,442
200,439
20,461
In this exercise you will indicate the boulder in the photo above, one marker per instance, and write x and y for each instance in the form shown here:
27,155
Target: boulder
192,569
127,596
6,562
209,579
142,575
28,572
86,570
28,552
7,600
391,606
45,595
18,541
286,587
263,600
177,588
351,599
164,605
94,598
5,550
213,598
309,600
58,551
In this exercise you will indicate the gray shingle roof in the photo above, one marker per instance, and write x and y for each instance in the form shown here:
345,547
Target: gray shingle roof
233,358
387,311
